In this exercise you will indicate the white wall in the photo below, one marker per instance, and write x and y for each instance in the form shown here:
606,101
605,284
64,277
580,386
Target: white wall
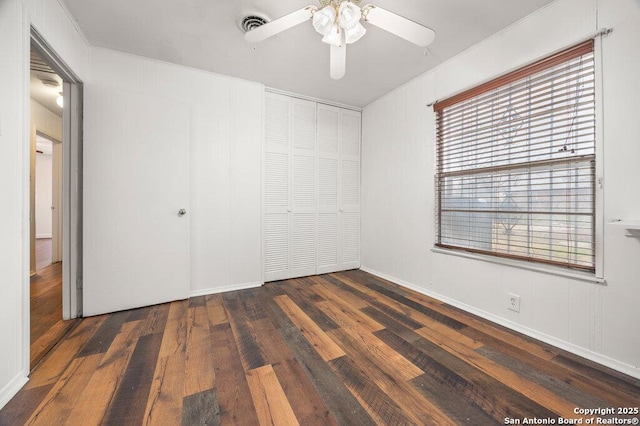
13,163
44,186
621,61
226,183
58,29
223,132
591,319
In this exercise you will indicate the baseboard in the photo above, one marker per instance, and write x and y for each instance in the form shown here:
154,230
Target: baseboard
38,236
12,388
224,289
559,343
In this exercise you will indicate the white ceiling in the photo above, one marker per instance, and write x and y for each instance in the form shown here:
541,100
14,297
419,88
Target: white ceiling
45,95
204,34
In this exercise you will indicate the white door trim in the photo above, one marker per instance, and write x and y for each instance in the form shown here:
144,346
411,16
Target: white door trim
71,178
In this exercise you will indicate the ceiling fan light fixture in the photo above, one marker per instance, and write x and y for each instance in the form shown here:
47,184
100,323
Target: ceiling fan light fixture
60,100
324,19
339,22
349,15
335,36
354,34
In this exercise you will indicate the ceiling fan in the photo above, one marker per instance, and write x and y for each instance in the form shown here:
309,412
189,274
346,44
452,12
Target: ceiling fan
339,23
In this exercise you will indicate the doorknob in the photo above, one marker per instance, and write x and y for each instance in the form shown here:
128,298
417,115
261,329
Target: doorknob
182,212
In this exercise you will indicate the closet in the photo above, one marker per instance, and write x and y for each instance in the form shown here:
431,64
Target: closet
312,188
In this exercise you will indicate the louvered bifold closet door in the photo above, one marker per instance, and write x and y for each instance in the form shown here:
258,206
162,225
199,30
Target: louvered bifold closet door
277,193
303,183
349,181
312,188
328,188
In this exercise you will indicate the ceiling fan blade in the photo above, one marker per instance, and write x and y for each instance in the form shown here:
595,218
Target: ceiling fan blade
398,25
338,61
279,25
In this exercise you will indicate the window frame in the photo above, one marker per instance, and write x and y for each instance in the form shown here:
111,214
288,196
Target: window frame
589,46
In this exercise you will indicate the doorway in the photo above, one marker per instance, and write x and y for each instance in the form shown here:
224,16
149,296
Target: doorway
55,199
47,324
47,216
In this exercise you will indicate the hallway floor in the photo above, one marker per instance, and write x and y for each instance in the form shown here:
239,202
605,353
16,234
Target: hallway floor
47,326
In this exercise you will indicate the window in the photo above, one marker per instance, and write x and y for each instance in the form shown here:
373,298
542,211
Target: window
515,164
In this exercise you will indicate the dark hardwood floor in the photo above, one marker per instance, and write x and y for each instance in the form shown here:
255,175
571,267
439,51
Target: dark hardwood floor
346,348
47,326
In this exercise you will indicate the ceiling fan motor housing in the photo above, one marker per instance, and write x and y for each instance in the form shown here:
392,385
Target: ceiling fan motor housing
324,3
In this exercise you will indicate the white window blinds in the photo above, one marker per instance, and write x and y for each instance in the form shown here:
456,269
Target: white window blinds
516,163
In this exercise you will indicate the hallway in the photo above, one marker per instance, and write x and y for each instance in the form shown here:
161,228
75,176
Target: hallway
47,326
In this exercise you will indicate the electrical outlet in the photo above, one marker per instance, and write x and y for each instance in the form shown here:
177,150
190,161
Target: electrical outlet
514,302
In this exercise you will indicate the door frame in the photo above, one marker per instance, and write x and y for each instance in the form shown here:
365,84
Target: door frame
71,178
56,202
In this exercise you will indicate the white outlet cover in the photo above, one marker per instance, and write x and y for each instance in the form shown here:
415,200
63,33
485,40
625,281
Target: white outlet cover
514,302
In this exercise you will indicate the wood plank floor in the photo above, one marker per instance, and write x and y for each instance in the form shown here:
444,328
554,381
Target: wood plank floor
47,326
43,253
345,348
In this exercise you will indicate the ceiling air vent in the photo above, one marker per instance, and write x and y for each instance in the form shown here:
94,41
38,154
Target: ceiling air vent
252,20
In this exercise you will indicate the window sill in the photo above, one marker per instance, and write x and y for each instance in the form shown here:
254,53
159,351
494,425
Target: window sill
545,269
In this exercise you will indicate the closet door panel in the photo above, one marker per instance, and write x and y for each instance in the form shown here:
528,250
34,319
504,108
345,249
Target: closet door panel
328,188
276,248
349,231
328,130
327,242
327,183
303,202
350,240
303,244
277,122
312,188
277,187
276,194
327,215
350,216
276,225
350,137
350,182
304,125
